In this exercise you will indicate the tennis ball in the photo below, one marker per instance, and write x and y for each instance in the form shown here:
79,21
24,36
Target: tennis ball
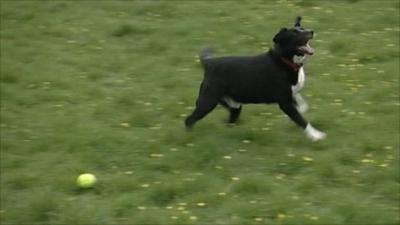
86,180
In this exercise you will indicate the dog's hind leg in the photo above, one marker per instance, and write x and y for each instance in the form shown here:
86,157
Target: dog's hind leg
234,112
206,102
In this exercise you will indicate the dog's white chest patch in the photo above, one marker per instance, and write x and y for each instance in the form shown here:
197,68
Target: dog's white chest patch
298,59
300,81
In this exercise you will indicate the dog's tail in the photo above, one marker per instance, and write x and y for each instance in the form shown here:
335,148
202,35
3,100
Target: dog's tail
205,54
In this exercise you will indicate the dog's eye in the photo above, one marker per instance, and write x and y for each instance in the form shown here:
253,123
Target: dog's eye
303,42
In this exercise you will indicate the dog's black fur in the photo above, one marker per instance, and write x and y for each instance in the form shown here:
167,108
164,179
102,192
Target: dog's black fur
265,78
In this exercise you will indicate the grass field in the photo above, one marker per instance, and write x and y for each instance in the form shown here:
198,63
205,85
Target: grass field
104,86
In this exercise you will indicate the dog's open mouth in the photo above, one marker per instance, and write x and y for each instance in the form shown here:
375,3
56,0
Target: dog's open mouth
306,49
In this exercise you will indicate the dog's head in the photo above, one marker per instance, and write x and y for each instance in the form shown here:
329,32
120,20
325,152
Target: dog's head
294,41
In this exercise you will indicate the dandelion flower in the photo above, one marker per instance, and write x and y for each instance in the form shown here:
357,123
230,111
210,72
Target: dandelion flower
308,159
281,216
367,161
125,125
193,218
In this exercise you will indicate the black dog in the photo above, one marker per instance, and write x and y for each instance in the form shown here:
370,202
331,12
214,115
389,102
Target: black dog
273,77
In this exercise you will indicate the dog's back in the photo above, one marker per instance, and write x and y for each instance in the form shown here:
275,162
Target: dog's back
248,79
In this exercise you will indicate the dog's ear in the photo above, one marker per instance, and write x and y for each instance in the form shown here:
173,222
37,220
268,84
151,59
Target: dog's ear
297,21
281,35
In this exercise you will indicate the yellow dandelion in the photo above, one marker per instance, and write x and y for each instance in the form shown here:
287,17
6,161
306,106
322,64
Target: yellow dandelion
246,141
383,165
145,185
280,176
201,204
281,216
367,161
128,172
221,193
156,155
142,207
314,217
235,178
125,125
193,218
258,219
181,208
227,157
308,159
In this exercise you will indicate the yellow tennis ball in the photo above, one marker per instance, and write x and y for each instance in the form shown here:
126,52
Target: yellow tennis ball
86,180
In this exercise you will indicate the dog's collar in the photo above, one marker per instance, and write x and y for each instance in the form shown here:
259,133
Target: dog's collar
291,64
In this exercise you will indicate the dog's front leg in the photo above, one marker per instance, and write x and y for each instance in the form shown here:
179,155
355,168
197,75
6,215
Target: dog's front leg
311,132
302,105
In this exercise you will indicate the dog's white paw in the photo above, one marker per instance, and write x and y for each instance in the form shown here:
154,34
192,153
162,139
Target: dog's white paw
314,134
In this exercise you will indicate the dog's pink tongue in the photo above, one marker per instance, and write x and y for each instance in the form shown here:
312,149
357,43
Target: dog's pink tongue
307,49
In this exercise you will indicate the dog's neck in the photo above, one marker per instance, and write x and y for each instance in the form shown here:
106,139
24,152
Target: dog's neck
294,62
291,64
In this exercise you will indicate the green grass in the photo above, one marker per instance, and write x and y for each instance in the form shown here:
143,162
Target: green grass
103,87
